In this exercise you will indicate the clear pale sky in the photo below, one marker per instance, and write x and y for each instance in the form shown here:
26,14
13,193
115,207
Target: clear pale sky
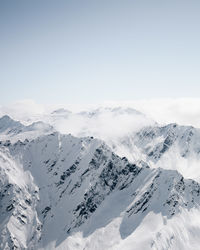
84,51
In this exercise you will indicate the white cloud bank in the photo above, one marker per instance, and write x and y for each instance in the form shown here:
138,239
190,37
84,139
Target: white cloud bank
185,111
105,125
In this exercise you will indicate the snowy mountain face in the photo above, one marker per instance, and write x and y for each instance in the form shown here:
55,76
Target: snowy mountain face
8,126
170,147
64,192
15,130
156,141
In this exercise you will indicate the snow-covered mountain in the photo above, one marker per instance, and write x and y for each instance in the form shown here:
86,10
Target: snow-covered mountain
64,192
8,125
171,147
15,130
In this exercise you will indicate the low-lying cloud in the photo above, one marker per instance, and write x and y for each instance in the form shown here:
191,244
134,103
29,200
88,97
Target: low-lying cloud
106,123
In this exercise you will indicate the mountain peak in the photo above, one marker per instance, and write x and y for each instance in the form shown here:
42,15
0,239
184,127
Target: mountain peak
61,111
7,124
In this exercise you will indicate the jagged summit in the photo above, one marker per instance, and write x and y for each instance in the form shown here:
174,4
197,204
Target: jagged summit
14,130
8,125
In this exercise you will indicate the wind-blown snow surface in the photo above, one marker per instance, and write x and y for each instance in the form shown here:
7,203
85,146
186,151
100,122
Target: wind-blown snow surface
64,192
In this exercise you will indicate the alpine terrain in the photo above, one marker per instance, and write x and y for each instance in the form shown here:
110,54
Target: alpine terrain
93,186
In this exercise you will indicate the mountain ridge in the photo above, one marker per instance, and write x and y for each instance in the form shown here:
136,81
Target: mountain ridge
91,162
64,192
